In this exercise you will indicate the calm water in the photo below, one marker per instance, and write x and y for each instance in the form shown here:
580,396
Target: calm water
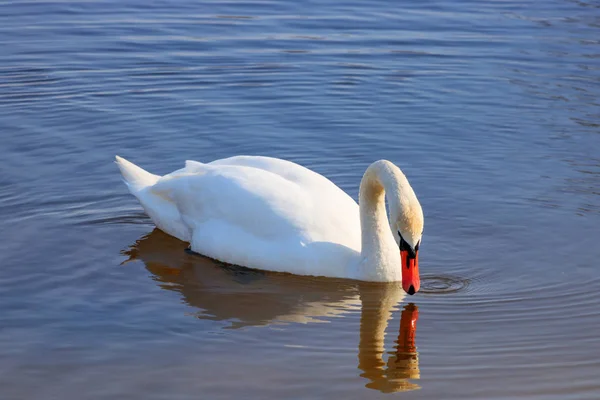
491,108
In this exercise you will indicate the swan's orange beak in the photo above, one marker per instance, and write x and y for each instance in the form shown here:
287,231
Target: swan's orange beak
411,283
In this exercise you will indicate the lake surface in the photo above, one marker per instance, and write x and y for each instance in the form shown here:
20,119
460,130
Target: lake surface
491,109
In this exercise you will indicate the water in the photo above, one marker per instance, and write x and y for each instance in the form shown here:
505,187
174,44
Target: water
491,109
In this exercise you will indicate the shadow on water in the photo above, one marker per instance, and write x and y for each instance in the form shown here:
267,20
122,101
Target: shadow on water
245,297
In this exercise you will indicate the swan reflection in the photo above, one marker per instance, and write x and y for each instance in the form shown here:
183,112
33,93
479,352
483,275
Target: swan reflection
244,297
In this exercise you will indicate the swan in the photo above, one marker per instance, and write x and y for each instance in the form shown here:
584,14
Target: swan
272,214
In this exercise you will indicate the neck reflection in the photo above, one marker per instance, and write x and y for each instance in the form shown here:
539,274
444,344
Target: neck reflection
403,363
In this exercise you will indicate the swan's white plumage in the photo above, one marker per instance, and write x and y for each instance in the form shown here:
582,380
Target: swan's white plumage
272,214
257,212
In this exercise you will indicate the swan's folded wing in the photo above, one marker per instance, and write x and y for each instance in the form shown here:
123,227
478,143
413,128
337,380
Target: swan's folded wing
250,216
192,166
256,201
286,169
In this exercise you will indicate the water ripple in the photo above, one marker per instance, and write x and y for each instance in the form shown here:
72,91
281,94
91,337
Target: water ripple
442,284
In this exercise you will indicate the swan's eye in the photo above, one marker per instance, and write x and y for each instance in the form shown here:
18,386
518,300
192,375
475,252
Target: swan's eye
404,246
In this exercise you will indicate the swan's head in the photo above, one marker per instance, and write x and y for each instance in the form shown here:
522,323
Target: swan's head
407,226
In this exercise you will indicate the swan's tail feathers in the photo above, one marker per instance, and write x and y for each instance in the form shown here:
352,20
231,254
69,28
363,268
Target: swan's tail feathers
135,177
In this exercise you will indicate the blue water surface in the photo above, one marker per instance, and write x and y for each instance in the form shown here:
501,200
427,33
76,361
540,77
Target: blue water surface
491,108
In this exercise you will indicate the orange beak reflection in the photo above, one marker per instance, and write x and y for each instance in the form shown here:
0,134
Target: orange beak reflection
411,283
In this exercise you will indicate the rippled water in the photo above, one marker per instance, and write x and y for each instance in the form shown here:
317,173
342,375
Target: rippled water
491,108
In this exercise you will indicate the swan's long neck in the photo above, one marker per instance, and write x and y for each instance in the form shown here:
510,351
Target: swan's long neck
380,254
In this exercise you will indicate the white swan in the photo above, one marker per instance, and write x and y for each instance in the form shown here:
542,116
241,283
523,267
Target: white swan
271,214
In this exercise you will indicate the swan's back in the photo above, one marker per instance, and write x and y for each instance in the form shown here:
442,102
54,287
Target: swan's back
258,212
